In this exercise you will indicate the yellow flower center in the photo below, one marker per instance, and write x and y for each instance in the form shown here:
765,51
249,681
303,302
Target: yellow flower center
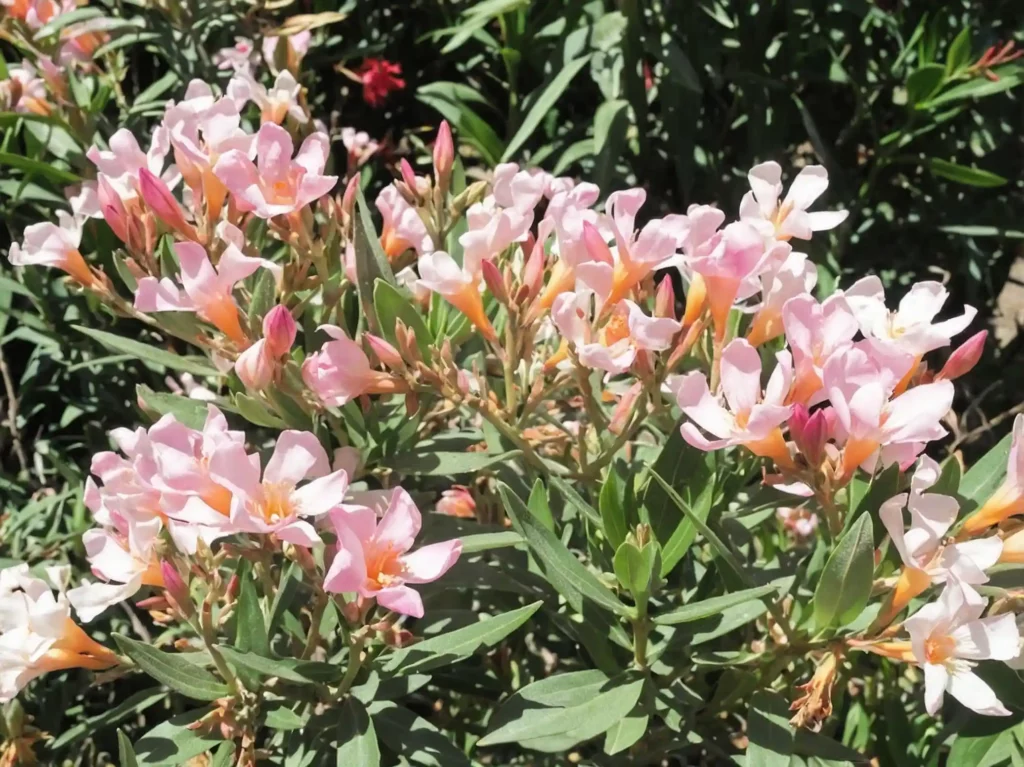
277,502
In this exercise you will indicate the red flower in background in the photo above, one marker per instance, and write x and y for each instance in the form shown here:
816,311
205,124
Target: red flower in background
379,77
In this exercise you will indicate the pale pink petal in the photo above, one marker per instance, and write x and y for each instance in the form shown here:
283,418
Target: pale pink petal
401,599
741,375
429,563
298,532
91,599
321,495
822,221
401,522
297,455
915,414
347,572
968,688
807,187
163,295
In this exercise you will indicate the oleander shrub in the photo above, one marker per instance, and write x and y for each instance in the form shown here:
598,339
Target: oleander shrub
497,383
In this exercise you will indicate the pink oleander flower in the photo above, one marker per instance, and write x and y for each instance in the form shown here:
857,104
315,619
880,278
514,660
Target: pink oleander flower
949,637
794,276
208,291
276,503
379,78
800,522
760,206
296,47
257,365
84,200
202,128
873,423
276,103
519,189
239,57
492,230
609,341
457,501
79,41
54,245
749,417
725,261
1008,499
403,229
277,185
458,285
567,213
360,147
636,254
120,165
24,91
37,13
815,332
341,371
911,328
927,558
37,632
374,559
125,557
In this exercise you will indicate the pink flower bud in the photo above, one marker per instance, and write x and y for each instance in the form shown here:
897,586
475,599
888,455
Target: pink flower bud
255,367
624,409
495,282
533,272
409,176
457,502
444,155
279,331
385,352
665,299
595,244
113,209
965,357
176,587
158,198
810,432
348,200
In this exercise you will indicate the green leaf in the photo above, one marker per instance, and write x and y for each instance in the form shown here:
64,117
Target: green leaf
471,544
845,583
709,607
299,671
392,305
625,734
990,749
923,82
1009,77
963,174
413,738
959,54
134,704
190,412
613,512
250,628
125,751
574,499
62,20
948,482
195,365
727,621
541,102
445,649
264,297
882,487
769,733
566,573
444,464
38,168
357,740
539,507
278,716
172,670
582,722
371,262
693,473
172,743
634,567
255,412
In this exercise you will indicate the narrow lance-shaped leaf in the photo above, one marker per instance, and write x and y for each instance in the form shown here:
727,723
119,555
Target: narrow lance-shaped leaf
845,583
173,670
566,573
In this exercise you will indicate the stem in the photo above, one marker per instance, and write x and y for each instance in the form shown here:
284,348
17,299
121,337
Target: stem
313,638
12,412
355,662
641,633
716,362
511,354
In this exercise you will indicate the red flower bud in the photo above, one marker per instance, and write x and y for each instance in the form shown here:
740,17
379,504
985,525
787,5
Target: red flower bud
810,432
409,177
279,331
965,357
255,367
113,209
176,588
